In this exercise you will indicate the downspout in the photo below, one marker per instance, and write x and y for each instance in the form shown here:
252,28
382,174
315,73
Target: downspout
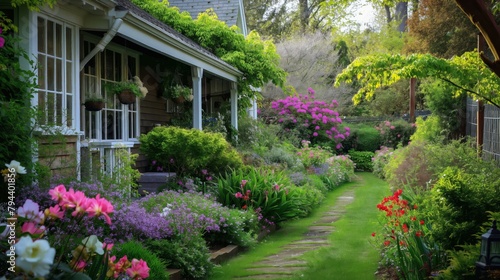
103,43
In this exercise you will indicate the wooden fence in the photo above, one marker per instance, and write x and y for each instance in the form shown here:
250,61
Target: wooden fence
491,128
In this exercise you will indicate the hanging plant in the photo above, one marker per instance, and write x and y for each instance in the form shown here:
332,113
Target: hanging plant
94,103
126,91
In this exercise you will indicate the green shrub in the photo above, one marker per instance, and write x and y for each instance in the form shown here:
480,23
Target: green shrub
460,201
188,151
380,160
191,255
395,133
428,130
420,163
362,160
363,137
312,156
462,263
268,192
136,250
282,157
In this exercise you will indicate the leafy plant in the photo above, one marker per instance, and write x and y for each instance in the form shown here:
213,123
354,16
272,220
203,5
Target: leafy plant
135,249
190,255
362,160
178,91
188,151
119,87
270,193
380,160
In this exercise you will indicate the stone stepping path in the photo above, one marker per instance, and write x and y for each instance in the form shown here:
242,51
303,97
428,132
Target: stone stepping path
287,262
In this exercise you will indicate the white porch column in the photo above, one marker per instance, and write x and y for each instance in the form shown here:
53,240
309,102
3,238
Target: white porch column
234,105
197,74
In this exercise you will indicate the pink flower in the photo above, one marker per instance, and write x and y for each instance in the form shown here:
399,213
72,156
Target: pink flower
238,195
76,200
58,193
99,206
277,187
315,134
139,269
243,183
393,127
32,228
80,265
54,212
107,246
30,210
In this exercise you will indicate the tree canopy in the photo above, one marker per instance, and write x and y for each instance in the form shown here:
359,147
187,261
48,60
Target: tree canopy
466,73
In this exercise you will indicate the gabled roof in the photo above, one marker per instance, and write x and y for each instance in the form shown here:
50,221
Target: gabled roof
226,10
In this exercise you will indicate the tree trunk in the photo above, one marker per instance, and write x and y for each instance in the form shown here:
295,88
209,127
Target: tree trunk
388,13
304,14
401,15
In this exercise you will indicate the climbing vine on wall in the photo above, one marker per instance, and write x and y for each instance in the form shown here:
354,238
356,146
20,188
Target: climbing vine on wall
256,58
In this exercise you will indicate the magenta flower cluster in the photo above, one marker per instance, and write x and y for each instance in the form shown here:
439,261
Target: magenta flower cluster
318,120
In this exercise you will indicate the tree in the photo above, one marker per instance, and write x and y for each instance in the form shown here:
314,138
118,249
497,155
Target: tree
439,28
481,15
466,73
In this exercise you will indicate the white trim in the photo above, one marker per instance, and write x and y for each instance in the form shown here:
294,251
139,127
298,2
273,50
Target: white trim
151,37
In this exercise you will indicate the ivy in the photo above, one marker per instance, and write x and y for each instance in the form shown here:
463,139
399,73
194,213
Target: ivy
467,73
257,59
33,4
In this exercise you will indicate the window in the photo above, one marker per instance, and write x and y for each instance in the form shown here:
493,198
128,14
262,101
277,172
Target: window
116,121
56,88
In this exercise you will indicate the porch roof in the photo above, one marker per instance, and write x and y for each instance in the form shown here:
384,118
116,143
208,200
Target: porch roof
145,30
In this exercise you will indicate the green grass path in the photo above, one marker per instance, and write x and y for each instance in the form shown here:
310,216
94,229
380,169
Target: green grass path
350,255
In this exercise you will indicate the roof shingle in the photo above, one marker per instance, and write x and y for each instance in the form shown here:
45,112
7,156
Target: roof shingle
226,10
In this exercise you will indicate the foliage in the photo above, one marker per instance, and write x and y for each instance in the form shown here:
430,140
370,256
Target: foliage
362,137
118,87
188,151
190,255
312,156
462,263
123,177
440,28
135,249
444,103
335,171
192,214
428,130
460,199
395,133
257,59
406,239
419,164
269,193
16,115
467,73
316,121
362,160
282,157
178,91
380,160
33,4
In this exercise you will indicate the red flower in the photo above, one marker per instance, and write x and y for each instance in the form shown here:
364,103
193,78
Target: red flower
244,207
413,218
373,234
387,243
405,228
418,233
422,222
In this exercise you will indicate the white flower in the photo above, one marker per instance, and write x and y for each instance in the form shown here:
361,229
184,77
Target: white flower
36,257
17,166
93,245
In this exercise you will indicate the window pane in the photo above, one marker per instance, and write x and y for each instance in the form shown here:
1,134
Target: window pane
59,75
69,77
41,107
50,73
50,37
41,35
69,110
118,67
109,66
132,66
58,40
42,67
50,108
69,44
59,109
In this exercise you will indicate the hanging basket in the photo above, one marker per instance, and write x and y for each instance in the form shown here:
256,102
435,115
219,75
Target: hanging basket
179,100
126,97
94,106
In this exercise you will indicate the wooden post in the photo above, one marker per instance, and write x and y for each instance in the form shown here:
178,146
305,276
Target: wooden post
480,127
413,84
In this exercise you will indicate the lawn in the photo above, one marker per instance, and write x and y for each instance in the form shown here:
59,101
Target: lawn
350,255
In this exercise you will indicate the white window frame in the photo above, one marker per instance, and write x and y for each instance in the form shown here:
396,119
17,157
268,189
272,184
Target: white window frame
65,84
125,52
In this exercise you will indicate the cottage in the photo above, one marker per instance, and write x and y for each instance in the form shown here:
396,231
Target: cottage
82,47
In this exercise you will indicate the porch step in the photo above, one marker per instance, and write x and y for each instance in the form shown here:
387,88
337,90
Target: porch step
150,181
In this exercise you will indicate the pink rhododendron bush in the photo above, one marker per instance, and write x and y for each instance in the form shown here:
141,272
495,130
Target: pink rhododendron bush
314,120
